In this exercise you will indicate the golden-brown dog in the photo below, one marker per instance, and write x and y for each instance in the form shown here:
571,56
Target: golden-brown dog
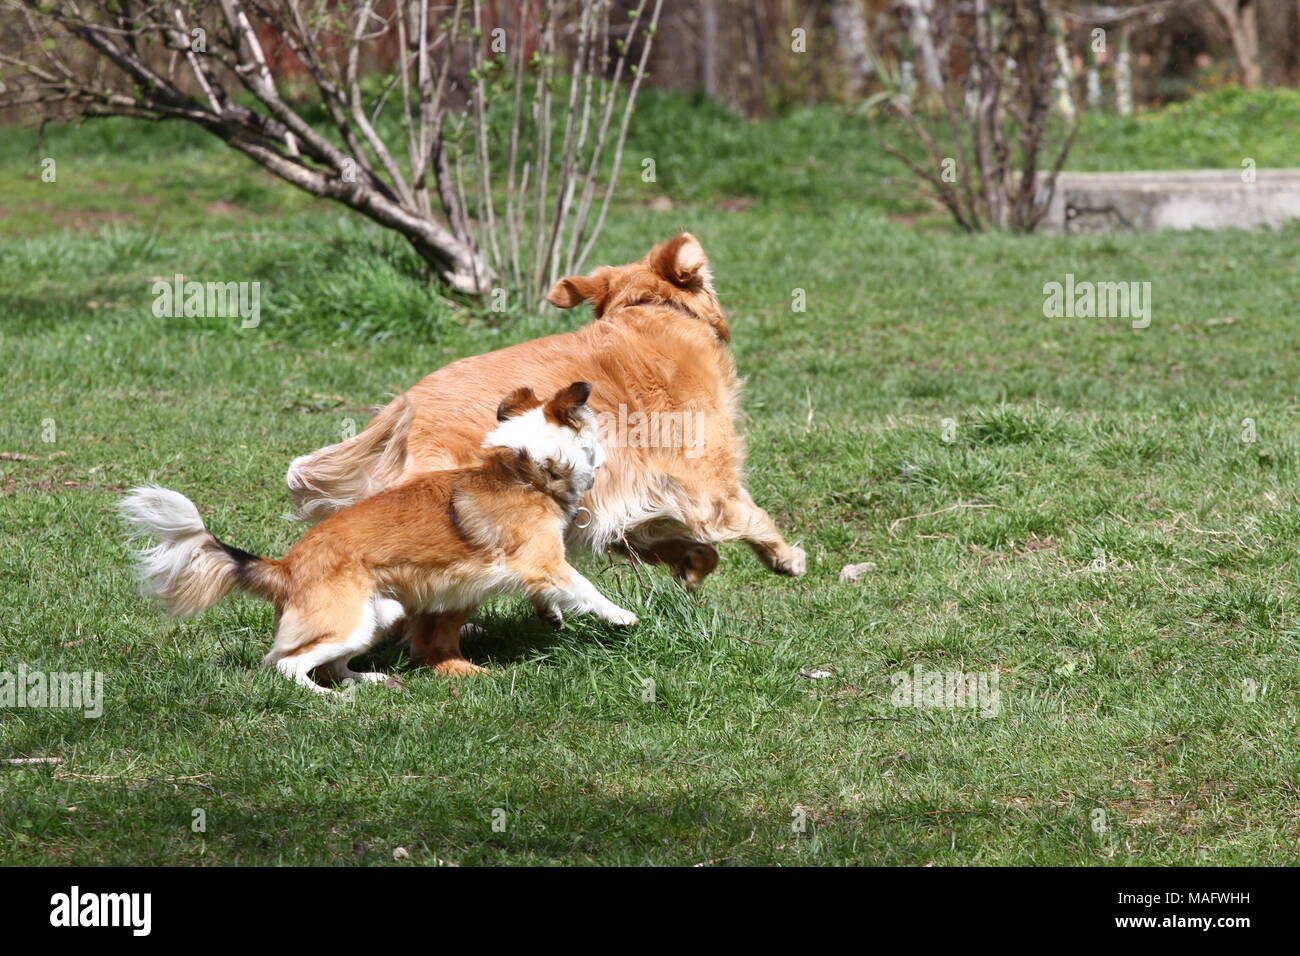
441,543
657,356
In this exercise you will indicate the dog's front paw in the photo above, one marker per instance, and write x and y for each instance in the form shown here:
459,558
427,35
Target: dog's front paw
793,564
621,617
550,614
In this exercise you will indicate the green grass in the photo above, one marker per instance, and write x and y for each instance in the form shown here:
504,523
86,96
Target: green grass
1125,690
812,159
1214,131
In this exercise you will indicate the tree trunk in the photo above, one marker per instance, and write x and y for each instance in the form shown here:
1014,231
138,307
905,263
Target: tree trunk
709,44
1239,16
1123,76
452,260
850,24
921,31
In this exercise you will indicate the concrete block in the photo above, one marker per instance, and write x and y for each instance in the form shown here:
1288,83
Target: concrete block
1185,199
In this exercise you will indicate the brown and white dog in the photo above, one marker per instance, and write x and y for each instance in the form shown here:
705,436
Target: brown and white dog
441,543
658,347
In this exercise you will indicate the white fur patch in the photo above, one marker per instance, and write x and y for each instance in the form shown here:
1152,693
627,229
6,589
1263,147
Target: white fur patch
544,441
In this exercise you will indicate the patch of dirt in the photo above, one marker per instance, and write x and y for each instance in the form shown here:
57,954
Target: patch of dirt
734,203
1152,503
223,208
11,486
1150,806
74,218
20,456
907,218
59,477
88,218
1034,546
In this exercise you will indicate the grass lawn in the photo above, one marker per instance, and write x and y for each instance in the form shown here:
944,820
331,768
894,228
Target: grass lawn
1108,520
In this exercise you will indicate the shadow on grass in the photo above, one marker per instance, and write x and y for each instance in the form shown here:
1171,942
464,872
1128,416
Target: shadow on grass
507,636
437,823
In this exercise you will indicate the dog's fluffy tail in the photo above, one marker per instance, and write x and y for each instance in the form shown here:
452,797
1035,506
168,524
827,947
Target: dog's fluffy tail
336,476
189,570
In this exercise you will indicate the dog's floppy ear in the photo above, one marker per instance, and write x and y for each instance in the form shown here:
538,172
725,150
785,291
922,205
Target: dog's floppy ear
564,404
573,290
516,403
681,260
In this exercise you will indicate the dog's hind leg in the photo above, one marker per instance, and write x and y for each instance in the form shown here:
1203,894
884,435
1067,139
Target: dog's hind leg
435,642
298,668
689,561
342,672
325,630
387,612
738,518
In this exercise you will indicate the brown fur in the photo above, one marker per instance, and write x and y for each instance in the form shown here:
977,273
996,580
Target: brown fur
442,541
658,345
409,541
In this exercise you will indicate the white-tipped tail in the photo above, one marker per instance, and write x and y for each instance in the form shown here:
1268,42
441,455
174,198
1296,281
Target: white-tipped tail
160,512
188,570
